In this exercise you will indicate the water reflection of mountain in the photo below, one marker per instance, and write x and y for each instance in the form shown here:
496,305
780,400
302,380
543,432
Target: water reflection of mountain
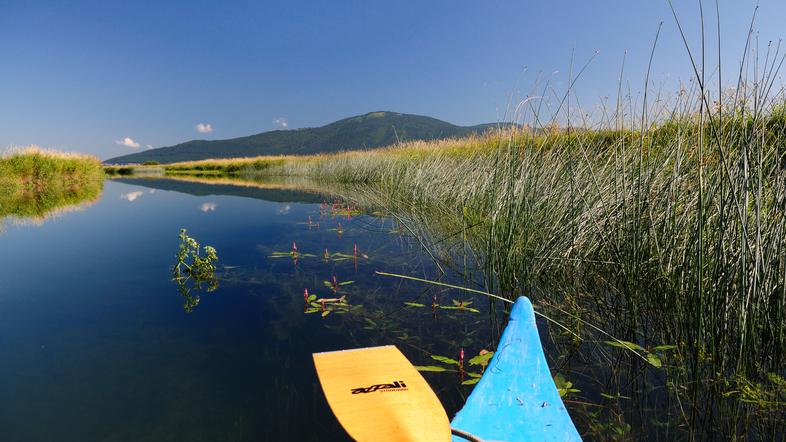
246,189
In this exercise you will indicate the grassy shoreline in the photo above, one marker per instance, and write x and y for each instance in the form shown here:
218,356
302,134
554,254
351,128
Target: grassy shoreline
37,183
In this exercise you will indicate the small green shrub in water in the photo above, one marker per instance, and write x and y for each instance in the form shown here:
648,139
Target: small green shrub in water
119,170
194,271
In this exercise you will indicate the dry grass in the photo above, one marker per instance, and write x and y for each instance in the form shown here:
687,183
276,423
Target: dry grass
452,147
35,150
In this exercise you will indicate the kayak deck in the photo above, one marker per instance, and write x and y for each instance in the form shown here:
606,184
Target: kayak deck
516,399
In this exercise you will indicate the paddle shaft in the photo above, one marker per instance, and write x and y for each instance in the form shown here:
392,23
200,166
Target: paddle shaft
464,435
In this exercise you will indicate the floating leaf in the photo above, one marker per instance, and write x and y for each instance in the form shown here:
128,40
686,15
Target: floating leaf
325,313
625,344
312,297
654,360
481,360
434,368
617,396
461,303
290,255
776,379
563,385
413,304
444,359
454,307
472,381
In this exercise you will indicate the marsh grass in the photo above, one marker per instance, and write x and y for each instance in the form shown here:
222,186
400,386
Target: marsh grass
228,165
36,183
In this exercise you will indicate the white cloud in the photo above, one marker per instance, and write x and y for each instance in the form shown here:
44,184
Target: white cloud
148,146
128,142
281,121
131,196
204,128
208,207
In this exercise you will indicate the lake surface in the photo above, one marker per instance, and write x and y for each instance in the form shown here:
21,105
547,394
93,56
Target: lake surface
96,344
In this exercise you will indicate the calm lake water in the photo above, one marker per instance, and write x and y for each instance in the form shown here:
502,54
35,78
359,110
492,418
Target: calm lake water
96,344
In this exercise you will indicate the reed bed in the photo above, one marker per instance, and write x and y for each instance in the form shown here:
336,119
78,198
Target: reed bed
227,165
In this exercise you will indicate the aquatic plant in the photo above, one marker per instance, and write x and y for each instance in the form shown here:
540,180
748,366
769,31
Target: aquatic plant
336,257
461,305
118,170
480,362
335,285
293,253
338,229
564,386
325,306
194,270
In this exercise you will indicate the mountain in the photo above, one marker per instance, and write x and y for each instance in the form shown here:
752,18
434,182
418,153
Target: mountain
375,129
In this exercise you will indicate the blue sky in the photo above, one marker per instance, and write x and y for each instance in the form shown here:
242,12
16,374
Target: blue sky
84,75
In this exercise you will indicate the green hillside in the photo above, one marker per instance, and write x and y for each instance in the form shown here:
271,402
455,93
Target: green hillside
367,131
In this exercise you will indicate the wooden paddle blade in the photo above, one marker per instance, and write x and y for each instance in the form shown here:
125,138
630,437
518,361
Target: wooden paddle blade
377,395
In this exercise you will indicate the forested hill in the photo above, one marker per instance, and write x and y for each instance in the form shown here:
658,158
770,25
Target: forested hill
375,129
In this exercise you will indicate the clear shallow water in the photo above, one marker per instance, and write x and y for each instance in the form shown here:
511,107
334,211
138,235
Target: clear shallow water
96,344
